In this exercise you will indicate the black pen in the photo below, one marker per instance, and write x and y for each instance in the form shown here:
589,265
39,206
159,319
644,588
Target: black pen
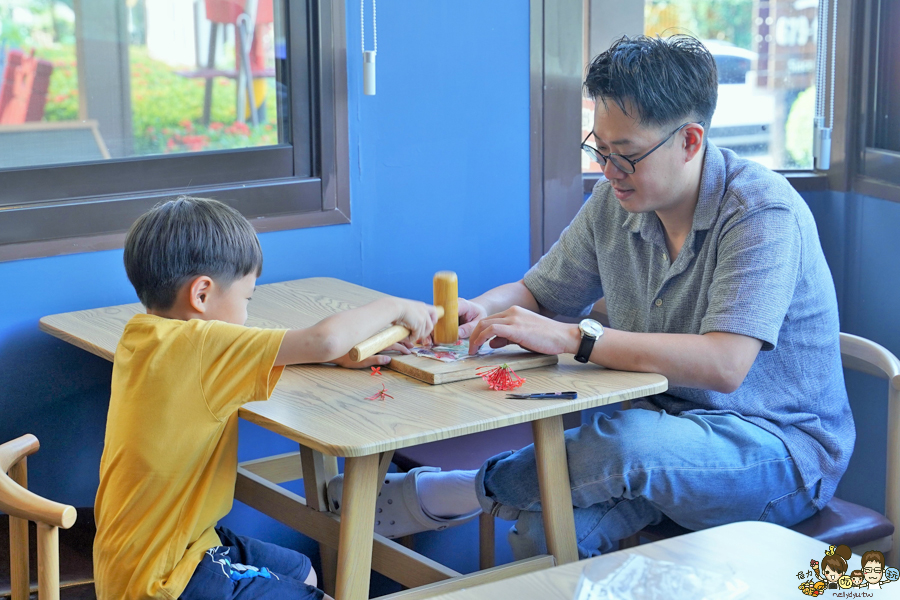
545,396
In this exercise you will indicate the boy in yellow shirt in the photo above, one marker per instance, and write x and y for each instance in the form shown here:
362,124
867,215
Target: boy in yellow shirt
180,373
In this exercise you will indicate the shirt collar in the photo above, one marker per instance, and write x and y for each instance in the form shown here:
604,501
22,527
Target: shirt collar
712,189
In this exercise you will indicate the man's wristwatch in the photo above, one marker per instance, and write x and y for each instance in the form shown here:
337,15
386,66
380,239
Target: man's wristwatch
591,330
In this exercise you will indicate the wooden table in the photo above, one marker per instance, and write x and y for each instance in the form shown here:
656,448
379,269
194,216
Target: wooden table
765,556
323,408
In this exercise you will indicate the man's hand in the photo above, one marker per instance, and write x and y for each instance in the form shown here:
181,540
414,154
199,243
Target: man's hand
530,330
376,359
470,313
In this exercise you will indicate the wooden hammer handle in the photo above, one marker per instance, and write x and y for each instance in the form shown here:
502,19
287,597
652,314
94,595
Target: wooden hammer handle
382,340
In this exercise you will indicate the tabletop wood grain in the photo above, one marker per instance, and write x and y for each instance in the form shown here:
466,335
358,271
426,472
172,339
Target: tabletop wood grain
324,407
764,556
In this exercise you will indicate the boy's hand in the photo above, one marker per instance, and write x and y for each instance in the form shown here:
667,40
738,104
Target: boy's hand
418,317
376,359
470,313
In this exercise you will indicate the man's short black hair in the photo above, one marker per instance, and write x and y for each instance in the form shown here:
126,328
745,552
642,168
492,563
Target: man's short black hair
184,238
667,81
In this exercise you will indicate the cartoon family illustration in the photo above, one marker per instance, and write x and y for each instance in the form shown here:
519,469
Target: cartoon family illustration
871,575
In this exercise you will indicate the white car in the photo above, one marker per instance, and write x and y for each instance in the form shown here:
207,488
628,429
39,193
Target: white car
744,113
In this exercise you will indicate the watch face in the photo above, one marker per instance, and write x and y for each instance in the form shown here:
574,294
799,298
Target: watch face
591,328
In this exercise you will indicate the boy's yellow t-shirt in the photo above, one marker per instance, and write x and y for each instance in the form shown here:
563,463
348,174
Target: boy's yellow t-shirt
169,462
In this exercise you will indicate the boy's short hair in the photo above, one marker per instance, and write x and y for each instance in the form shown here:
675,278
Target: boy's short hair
184,238
666,80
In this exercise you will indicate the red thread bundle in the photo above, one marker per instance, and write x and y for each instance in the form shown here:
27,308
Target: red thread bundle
380,395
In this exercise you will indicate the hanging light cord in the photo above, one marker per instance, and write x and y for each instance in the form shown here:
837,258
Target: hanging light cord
362,18
824,87
833,41
821,59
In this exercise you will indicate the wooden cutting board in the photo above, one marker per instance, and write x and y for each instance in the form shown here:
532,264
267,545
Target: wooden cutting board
436,372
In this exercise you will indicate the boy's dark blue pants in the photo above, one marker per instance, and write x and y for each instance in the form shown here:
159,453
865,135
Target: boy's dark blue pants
246,569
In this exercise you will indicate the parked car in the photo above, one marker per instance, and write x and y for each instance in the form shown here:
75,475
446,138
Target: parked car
745,112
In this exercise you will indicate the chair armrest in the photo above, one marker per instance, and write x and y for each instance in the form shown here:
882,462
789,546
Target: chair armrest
865,355
17,501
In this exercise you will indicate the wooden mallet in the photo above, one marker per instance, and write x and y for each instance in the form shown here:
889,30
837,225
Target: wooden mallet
446,331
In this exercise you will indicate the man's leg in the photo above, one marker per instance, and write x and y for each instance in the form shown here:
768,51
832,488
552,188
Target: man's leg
629,470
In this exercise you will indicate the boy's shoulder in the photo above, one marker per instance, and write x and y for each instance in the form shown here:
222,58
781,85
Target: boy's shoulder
146,329
148,333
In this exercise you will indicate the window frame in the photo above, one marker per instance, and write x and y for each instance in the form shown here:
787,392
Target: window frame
877,171
53,210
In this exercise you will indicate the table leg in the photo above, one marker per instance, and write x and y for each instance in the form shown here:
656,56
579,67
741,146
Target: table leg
556,492
486,550
318,470
357,527
327,554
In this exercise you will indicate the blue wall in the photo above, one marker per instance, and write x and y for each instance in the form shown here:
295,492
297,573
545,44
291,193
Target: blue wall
860,237
439,180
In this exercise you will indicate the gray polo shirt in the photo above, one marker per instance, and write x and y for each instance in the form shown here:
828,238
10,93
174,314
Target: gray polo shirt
752,265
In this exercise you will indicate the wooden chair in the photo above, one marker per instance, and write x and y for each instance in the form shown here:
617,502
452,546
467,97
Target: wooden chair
23,506
842,522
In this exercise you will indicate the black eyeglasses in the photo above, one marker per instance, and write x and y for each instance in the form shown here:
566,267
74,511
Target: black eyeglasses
623,163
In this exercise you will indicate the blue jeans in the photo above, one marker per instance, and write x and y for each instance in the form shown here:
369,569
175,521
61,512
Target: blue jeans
641,466
276,573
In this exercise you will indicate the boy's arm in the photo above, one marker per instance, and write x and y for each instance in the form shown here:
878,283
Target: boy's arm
333,337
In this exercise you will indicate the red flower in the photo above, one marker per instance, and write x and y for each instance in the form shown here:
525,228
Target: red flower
501,378
238,128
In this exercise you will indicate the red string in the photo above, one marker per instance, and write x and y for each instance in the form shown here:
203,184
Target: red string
501,378
380,395
375,371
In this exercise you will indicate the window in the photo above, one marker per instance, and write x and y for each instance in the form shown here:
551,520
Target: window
109,106
879,164
765,51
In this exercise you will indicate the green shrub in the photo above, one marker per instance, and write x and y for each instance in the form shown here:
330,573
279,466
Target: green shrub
188,137
798,129
166,107
62,95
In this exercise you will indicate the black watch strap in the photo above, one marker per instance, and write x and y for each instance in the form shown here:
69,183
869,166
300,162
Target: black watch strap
585,349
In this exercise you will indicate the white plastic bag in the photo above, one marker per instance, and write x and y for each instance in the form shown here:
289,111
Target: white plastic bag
636,577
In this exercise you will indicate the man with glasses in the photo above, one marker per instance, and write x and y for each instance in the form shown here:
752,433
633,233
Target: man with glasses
873,569
712,274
